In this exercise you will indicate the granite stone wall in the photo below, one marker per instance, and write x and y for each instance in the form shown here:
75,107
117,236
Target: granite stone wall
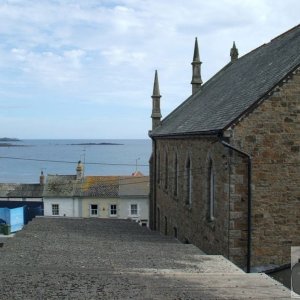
271,134
190,222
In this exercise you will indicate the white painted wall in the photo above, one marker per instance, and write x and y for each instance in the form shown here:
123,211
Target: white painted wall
123,208
68,207
143,209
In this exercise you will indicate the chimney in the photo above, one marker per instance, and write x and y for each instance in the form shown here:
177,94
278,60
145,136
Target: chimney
42,178
79,171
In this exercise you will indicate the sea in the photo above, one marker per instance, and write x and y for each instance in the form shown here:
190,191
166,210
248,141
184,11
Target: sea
24,160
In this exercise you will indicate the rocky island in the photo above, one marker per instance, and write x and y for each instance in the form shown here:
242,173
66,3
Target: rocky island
6,142
96,144
6,139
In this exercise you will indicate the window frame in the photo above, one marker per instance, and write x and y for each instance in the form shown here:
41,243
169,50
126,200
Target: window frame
166,169
93,210
211,192
158,168
175,231
158,219
189,183
55,208
166,225
115,210
176,170
137,209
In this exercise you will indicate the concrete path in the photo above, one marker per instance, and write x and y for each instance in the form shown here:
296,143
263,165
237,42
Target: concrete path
62,258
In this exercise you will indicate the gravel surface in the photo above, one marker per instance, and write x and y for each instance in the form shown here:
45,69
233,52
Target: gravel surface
65,258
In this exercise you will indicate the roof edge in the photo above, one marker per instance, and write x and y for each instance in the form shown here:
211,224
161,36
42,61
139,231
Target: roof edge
262,98
289,30
216,132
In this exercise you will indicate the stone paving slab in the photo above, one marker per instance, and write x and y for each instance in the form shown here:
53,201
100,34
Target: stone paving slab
61,258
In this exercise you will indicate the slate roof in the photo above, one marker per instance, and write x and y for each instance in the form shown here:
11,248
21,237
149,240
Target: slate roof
115,186
16,190
236,88
60,186
137,186
102,186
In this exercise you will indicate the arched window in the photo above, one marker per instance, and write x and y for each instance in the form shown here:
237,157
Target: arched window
175,232
158,219
166,225
166,170
211,191
188,171
175,175
158,168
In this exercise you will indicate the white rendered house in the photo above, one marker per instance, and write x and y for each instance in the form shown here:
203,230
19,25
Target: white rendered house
122,197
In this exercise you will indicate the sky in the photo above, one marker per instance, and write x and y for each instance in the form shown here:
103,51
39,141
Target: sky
85,68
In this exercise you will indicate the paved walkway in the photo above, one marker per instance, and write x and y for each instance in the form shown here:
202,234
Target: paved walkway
117,259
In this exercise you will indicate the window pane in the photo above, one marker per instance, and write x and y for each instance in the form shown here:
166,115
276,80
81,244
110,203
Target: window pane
176,176
134,209
188,171
55,209
94,209
211,192
166,171
113,209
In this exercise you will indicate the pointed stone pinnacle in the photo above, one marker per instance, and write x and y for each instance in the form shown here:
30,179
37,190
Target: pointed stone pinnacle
156,115
196,51
156,91
234,53
196,67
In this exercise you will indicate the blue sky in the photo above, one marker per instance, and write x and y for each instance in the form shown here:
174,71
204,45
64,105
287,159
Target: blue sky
85,68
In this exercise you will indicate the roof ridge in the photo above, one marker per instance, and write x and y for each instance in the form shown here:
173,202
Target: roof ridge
272,40
234,88
284,33
207,82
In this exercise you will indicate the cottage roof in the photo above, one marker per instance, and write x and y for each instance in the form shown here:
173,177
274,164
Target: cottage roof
60,186
235,89
134,186
102,186
24,190
96,186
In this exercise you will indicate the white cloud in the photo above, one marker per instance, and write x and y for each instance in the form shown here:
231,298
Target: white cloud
50,67
99,52
74,57
117,56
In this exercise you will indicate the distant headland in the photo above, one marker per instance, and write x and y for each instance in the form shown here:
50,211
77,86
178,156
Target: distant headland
96,144
6,139
6,142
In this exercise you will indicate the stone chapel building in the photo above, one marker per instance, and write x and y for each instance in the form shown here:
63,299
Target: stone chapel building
225,166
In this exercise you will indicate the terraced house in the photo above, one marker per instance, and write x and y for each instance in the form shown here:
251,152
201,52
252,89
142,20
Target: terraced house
119,197
29,195
225,167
